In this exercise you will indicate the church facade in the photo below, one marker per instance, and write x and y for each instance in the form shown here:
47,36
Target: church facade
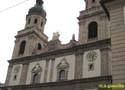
85,64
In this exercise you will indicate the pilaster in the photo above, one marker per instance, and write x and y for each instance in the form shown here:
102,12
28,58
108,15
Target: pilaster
24,74
52,69
78,64
46,70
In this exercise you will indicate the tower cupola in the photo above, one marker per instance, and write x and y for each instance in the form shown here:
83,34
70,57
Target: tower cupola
38,9
36,16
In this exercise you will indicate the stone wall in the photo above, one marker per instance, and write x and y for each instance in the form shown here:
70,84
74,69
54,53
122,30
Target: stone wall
117,22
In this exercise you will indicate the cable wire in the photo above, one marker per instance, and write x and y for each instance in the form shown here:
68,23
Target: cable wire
15,5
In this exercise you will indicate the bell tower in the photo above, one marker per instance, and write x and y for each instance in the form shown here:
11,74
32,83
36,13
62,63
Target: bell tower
32,38
93,23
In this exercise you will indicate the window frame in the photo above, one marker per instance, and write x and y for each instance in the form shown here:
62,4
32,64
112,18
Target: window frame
92,30
22,47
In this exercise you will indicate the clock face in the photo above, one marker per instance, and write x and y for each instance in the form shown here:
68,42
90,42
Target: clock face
91,56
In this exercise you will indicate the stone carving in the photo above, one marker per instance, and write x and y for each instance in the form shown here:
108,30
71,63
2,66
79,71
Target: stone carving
16,69
56,36
91,56
36,74
63,64
37,68
62,70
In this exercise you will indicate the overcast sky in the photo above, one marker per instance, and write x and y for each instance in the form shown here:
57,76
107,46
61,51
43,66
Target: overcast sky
61,16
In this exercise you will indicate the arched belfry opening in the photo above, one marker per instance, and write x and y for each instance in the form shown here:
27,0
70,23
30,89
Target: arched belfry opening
39,46
22,47
92,30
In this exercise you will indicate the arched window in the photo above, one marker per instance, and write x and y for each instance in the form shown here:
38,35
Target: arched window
39,47
35,21
22,47
92,30
35,78
62,75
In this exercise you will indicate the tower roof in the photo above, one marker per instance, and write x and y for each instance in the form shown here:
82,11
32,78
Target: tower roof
38,9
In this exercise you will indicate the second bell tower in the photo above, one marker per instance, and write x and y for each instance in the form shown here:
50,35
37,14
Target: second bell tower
93,23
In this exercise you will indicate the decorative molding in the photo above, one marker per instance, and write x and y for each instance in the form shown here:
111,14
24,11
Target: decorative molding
101,44
62,66
91,56
84,82
37,70
90,12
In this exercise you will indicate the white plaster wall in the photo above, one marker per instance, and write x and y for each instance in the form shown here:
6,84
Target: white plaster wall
49,70
17,81
31,65
71,60
97,65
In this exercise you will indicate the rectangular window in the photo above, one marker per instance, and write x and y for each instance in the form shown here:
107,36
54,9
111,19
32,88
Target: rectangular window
91,67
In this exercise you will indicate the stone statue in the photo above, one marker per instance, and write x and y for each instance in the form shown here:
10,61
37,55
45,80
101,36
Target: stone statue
73,37
55,36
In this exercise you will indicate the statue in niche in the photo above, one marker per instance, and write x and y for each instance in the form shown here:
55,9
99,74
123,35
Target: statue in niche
56,36
62,70
36,73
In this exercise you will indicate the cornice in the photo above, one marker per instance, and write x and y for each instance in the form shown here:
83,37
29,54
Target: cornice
106,79
23,33
90,12
102,44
